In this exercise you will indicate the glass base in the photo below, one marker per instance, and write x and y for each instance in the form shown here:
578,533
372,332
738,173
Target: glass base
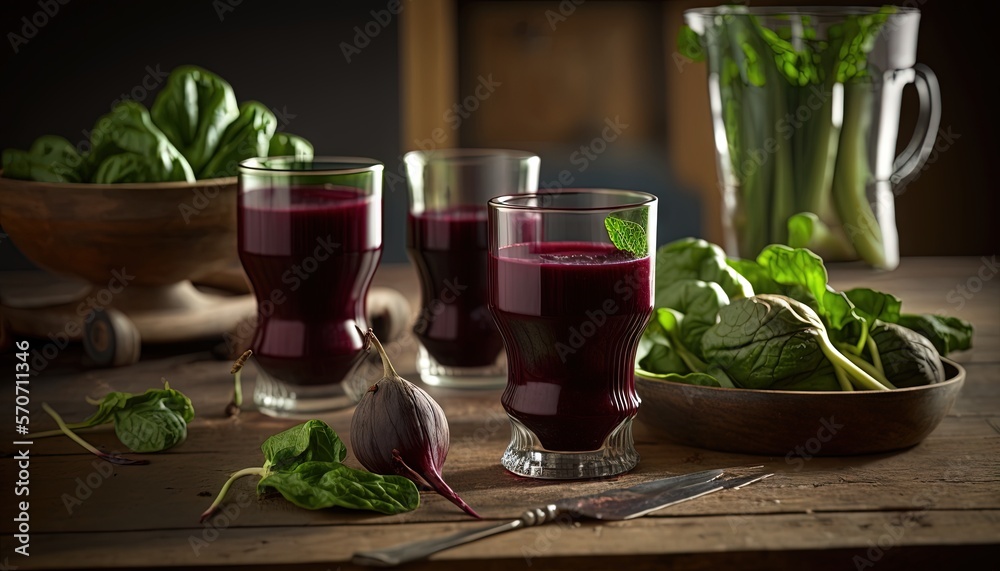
435,374
525,456
275,398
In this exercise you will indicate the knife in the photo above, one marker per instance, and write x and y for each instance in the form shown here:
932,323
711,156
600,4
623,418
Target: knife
616,504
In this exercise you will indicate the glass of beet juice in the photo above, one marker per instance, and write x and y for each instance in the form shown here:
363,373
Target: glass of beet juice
446,241
310,239
571,275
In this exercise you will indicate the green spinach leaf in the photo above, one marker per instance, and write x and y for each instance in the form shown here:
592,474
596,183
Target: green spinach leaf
948,334
248,136
307,442
289,145
691,258
194,109
699,302
148,422
317,485
150,427
700,379
303,464
908,358
50,159
128,129
800,267
874,305
773,342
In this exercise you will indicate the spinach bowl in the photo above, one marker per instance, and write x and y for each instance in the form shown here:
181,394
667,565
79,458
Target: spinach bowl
796,424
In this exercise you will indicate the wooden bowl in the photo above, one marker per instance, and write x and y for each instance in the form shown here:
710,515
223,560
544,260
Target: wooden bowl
160,233
797,423
139,246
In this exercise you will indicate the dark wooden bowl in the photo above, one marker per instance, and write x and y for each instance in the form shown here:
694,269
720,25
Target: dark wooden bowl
797,424
162,233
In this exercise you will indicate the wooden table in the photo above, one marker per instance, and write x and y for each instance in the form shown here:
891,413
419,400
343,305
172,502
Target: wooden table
936,505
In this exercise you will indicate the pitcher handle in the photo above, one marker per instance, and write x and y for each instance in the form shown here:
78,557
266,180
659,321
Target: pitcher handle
925,134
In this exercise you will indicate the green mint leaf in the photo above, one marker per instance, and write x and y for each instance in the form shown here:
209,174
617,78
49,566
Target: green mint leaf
628,235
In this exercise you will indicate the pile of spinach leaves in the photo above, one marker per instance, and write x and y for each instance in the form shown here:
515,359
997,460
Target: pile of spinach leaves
776,323
195,130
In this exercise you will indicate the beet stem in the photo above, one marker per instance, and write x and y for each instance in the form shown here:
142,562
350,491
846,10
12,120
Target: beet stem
387,370
435,481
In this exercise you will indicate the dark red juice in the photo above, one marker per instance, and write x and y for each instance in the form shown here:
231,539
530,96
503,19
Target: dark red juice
449,249
571,314
310,254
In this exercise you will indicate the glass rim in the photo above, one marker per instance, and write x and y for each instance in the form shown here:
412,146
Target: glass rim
351,165
798,10
642,199
470,153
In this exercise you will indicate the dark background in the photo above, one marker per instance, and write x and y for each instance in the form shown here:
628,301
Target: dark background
287,55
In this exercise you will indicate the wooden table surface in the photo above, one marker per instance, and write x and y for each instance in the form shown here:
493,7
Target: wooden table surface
936,505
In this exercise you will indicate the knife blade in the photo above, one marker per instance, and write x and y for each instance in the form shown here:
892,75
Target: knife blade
615,504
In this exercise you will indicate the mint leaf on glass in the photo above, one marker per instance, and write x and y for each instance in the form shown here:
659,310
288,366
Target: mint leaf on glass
628,234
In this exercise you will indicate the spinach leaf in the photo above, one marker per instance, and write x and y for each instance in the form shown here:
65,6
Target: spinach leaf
126,167
671,322
194,109
106,408
317,485
760,342
248,136
50,159
699,302
773,342
761,282
116,401
874,305
655,354
148,422
128,128
691,258
288,145
150,427
303,464
948,334
800,267
700,379
311,441
908,358
661,359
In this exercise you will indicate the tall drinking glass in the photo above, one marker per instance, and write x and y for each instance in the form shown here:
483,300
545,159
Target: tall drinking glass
571,304
446,240
310,240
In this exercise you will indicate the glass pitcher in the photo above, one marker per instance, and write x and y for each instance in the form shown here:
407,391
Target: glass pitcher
805,110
